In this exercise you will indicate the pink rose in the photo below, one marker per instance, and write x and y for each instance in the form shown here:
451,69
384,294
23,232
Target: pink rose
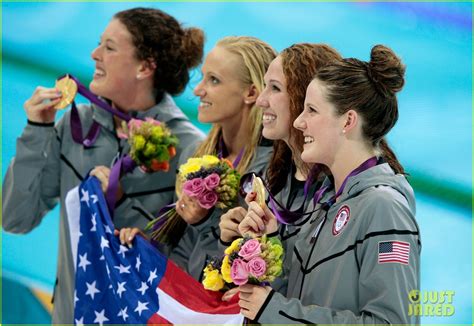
208,199
239,272
194,187
250,249
134,123
257,266
212,181
153,121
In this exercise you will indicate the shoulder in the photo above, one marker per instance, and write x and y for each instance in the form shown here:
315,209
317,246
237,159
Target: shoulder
384,207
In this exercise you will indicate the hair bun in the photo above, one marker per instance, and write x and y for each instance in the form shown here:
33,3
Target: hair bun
386,70
193,46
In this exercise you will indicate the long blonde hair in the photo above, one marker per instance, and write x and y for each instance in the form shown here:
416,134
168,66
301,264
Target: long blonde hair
255,56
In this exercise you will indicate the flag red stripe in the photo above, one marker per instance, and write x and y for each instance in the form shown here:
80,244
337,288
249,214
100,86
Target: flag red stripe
191,294
156,319
394,255
394,261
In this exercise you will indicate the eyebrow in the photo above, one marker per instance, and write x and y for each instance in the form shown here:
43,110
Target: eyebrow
275,81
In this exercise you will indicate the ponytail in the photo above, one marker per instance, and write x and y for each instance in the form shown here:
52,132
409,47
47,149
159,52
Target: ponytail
390,157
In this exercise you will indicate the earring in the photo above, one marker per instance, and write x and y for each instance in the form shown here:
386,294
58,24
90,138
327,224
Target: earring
139,77
343,131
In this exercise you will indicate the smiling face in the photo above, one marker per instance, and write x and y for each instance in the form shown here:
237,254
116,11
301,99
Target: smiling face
116,66
275,103
321,126
221,91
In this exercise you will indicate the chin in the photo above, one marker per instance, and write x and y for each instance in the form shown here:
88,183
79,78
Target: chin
308,158
268,134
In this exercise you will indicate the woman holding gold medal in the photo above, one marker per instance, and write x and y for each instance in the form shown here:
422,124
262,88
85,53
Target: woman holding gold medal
143,57
287,179
358,257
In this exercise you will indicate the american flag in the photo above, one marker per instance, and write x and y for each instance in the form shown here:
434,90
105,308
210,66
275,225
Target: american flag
116,284
394,252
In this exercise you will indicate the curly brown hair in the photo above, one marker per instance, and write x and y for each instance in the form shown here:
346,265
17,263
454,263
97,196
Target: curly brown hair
159,38
300,64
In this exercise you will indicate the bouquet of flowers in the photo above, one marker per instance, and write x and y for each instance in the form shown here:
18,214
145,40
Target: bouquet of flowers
247,260
212,181
151,144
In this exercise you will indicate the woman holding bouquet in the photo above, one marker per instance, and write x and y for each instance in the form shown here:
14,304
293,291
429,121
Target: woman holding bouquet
282,101
232,80
143,57
358,258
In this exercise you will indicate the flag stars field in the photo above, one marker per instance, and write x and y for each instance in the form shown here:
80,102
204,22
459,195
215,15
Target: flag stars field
91,289
83,262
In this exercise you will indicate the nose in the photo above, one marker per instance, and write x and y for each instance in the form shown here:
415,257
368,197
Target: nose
262,100
199,90
95,54
299,122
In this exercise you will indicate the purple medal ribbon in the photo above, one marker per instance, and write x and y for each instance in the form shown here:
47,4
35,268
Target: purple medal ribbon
222,148
124,165
371,162
286,216
76,125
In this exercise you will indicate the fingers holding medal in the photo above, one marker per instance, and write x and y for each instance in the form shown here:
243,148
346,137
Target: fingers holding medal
68,88
259,190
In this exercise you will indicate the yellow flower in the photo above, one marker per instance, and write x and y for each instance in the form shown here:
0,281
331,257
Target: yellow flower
277,250
209,160
187,168
225,269
233,247
213,281
139,142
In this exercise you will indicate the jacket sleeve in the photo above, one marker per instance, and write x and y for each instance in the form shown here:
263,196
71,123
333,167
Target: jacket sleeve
198,244
31,184
384,288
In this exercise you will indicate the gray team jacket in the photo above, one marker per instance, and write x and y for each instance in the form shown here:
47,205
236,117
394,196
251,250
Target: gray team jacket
200,241
49,163
342,271
288,233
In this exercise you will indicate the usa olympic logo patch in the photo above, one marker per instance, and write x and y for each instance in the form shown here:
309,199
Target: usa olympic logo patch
342,217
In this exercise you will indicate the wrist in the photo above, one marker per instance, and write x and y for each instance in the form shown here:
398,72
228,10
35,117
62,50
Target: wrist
40,123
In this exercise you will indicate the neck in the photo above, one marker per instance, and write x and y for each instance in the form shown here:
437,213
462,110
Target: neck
348,160
236,135
140,98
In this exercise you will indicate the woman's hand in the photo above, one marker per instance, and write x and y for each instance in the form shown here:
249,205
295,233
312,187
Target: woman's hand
252,298
258,220
190,210
126,235
229,223
40,106
103,174
229,294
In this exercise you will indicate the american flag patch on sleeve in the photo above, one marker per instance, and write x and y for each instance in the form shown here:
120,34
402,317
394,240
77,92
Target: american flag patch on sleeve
394,252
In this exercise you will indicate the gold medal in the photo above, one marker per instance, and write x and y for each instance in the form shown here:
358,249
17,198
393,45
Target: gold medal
259,189
68,89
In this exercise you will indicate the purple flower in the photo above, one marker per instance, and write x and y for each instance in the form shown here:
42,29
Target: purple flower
239,272
250,249
194,187
257,266
212,181
208,199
